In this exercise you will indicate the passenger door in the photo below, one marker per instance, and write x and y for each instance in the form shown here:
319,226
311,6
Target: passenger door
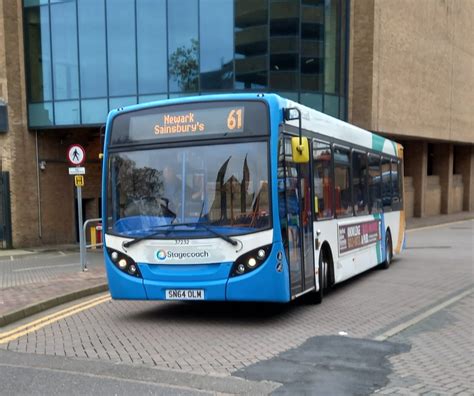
296,219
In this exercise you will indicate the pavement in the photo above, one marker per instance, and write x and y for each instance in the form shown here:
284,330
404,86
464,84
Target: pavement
403,331
36,279
293,348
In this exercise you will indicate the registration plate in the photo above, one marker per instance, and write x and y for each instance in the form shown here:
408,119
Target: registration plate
180,294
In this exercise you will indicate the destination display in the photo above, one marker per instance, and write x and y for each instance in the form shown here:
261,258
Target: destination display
357,235
192,120
218,120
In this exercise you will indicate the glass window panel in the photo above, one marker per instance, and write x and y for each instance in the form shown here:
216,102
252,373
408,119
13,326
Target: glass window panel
342,78
40,114
38,53
115,103
151,43
121,47
312,47
375,185
342,108
183,45
251,44
331,65
64,45
342,183
34,3
315,101
323,185
151,98
66,113
181,95
284,80
289,95
94,111
359,184
284,44
331,105
93,68
386,184
216,44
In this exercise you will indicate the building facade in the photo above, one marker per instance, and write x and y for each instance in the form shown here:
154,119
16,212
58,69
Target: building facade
412,79
397,70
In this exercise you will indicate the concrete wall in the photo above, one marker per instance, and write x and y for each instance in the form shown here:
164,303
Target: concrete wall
409,195
412,68
457,194
432,196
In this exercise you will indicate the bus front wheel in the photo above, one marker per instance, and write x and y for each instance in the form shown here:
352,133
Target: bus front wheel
323,277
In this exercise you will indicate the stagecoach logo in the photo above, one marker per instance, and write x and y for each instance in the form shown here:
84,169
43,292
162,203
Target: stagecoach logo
163,255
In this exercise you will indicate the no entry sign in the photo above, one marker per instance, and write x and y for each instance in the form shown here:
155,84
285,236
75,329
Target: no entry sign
76,154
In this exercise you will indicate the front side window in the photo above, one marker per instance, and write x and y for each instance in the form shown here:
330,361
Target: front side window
342,183
323,186
224,185
375,184
359,184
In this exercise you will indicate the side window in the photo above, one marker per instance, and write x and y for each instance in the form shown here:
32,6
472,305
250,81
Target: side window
386,185
400,179
323,186
359,184
375,184
395,184
342,182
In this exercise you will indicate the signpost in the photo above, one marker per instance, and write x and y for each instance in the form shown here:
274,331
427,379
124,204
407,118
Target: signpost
76,156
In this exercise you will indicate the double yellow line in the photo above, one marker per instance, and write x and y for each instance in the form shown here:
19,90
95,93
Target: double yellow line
22,330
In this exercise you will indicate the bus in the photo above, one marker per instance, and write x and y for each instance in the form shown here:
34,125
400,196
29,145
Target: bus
244,197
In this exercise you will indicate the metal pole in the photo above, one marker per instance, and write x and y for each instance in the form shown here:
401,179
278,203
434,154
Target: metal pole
82,243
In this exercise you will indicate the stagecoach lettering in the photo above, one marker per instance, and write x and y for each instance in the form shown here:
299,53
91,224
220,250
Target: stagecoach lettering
355,236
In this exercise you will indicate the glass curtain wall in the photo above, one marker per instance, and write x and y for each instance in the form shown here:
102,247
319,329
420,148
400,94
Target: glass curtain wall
86,57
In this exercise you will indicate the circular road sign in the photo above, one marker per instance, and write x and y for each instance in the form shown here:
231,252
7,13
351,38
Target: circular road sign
76,154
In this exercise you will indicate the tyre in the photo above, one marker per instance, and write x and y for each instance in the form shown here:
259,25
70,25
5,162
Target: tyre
388,250
317,296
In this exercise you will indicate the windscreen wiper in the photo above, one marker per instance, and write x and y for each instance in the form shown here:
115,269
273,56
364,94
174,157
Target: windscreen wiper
203,225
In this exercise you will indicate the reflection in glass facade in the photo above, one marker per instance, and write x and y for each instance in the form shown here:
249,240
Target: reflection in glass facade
85,57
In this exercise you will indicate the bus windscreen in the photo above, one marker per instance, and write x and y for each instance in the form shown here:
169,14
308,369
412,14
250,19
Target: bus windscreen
191,121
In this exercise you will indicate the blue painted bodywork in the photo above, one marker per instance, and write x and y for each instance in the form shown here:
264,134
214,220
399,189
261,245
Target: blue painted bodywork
263,284
121,285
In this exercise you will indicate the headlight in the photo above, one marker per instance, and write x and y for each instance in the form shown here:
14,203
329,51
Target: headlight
250,261
124,263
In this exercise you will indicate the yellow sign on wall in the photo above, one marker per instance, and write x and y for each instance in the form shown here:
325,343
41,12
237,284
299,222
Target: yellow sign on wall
79,180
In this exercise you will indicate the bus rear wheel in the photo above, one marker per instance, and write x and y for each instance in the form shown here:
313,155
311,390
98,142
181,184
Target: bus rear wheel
388,250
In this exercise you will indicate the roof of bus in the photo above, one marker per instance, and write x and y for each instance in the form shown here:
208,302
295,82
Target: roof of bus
312,120
324,124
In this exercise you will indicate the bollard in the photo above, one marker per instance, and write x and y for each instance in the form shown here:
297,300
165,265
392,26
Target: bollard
99,233
93,238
